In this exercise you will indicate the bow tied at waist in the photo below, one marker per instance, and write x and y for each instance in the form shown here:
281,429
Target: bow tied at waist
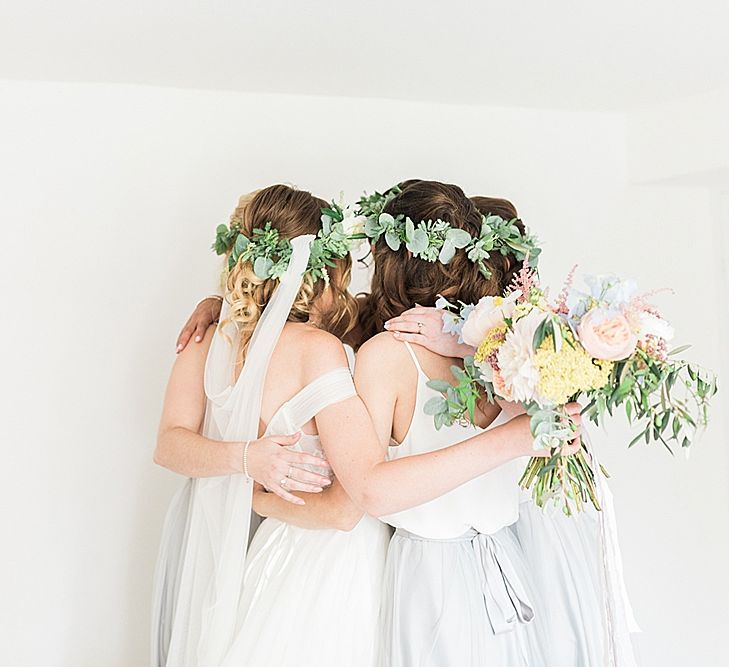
505,597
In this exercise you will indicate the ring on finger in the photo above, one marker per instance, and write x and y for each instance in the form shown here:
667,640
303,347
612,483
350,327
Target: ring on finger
283,482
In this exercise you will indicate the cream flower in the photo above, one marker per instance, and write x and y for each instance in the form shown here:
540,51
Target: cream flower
652,325
516,358
353,224
489,312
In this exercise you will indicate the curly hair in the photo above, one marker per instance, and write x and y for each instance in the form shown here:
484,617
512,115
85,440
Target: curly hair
293,213
400,281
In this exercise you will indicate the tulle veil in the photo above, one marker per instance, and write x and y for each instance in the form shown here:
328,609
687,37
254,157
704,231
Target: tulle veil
199,575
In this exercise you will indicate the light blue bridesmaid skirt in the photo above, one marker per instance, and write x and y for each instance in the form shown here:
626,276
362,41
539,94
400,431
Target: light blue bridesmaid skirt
463,602
564,558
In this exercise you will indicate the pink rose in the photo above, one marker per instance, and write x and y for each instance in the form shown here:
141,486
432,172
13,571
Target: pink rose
489,312
606,336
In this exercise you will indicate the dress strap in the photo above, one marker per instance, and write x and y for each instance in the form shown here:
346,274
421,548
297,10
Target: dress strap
332,387
414,357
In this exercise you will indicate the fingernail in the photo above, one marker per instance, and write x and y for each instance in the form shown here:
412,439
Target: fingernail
328,482
179,347
197,339
301,502
396,334
387,325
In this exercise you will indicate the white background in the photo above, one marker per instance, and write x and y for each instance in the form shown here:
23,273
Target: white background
110,197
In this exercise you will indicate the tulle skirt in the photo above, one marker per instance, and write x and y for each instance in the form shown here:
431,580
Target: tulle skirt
464,601
311,597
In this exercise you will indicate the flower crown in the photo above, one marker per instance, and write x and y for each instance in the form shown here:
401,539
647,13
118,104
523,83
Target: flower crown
433,240
270,254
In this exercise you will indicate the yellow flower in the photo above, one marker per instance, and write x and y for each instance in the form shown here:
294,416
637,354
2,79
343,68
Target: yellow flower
492,341
571,370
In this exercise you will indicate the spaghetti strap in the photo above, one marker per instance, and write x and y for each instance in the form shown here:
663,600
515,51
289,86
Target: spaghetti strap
414,358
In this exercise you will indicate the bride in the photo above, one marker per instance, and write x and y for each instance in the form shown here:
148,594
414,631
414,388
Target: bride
274,365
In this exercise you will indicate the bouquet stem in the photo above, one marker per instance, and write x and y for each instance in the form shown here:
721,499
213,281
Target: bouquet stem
568,480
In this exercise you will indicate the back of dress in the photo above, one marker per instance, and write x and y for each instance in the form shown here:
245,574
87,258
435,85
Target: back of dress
487,503
311,581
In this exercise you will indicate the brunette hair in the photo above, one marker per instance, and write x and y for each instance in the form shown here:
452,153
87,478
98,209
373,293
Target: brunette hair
400,281
293,213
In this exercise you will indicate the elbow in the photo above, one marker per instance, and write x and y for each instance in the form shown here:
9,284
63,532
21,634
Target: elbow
160,457
372,504
347,520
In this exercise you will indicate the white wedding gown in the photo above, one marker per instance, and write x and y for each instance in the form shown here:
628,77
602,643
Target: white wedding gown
311,597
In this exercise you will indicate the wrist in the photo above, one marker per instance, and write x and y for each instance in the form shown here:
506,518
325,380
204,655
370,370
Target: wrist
216,297
516,438
234,452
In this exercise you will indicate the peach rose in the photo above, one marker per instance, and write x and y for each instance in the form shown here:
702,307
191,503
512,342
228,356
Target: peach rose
489,312
606,335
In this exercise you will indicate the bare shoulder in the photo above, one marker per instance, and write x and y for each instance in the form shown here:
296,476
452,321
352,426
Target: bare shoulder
320,351
383,347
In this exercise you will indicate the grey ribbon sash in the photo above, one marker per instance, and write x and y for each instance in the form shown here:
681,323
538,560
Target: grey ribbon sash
504,594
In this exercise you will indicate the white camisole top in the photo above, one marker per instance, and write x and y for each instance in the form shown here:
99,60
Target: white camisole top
486,503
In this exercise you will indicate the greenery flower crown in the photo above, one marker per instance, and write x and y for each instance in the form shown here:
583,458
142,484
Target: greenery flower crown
433,240
342,229
270,254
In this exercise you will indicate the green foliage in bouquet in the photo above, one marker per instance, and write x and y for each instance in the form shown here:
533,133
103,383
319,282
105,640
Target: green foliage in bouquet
605,347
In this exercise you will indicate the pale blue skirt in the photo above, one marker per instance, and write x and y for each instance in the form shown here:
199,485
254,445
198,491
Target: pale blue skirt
564,558
463,602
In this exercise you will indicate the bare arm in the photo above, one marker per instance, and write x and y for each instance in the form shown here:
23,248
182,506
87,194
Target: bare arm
383,487
332,508
182,449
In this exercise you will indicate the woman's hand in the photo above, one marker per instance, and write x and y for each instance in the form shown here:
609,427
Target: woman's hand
424,326
520,434
278,469
206,312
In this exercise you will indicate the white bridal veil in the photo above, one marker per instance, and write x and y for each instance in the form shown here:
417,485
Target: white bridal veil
200,569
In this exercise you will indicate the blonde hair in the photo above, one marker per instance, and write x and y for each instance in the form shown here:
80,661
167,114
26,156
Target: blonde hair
293,213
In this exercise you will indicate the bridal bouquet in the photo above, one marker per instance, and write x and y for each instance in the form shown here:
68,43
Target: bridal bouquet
606,346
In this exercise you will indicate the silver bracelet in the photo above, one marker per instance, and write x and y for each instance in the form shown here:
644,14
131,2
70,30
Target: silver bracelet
245,460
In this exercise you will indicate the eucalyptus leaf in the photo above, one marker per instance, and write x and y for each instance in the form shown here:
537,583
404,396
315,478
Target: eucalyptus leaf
241,243
392,240
409,231
262,267
435,405
419,242
459,238
439,385
447,252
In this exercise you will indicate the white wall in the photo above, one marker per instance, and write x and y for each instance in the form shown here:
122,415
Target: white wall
111,195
